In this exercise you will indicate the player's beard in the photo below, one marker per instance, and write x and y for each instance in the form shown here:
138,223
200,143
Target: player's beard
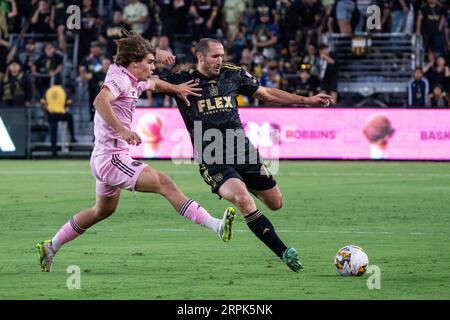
214,69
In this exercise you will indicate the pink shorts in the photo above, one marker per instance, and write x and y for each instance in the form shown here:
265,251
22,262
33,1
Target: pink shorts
114,172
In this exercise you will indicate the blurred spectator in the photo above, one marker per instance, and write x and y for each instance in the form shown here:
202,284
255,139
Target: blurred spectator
41,21
399,13
437,72
430,24
205,14
245,60
112,32
265,36
261,5
311,13
332,25
240,40
8,13
361,7
249,18
56,104
24,14
29,56
328,5
302,84
313,60
386,20
328,72
59,19
438,98
173,17
164,44
345,12
16,87
135,15
88,69
271,77
166,15
47,69
90,19
4,49
418,90
291,59
232,11
98,77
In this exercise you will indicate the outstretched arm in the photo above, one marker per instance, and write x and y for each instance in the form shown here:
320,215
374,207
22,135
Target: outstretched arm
182,90
277,96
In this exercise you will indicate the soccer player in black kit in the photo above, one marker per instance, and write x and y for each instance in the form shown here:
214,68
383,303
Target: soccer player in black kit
228,161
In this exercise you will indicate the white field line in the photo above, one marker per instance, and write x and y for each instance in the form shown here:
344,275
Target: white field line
194,172
195,230
305,231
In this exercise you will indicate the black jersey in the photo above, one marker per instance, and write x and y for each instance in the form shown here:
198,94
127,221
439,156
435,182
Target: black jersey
216,111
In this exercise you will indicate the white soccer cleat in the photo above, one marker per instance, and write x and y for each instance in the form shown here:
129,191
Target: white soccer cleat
226,227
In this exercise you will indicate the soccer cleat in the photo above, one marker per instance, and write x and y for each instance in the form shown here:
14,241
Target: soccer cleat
226,227
290,257
46,255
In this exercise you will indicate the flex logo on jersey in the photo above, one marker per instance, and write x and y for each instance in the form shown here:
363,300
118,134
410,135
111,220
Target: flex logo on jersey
205,105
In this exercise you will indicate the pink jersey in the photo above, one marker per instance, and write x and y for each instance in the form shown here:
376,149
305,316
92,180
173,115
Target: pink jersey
126,89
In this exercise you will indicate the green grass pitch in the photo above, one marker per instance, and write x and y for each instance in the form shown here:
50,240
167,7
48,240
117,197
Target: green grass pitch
398,212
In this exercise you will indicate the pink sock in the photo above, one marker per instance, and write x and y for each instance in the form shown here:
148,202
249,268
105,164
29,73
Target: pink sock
67,233
192,211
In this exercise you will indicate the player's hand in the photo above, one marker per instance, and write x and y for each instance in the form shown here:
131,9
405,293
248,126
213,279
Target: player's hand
321,99
130,137
165,57
188,89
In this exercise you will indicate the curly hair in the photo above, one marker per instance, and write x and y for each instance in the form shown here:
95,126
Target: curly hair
132,48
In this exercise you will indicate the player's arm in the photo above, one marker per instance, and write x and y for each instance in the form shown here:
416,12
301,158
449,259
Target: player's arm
182,90
103,105
277,96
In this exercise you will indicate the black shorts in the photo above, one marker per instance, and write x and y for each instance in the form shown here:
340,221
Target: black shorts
255,176
60,17
329,83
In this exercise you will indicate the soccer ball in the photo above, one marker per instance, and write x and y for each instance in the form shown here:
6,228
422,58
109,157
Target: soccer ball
351,261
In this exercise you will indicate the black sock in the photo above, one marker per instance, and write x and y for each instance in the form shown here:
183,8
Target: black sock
265,231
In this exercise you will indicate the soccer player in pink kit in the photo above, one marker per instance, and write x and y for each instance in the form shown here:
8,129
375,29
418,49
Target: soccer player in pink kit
110,162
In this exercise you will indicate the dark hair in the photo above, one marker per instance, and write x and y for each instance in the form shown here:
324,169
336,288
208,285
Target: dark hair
323,46
378,127
132,48
202,45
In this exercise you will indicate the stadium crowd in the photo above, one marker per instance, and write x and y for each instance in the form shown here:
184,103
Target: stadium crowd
279,41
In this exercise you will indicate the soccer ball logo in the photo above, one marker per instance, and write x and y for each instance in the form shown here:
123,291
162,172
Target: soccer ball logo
351,261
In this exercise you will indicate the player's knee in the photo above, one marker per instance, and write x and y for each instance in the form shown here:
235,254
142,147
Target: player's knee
166,185
275,204
243,202
103,213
